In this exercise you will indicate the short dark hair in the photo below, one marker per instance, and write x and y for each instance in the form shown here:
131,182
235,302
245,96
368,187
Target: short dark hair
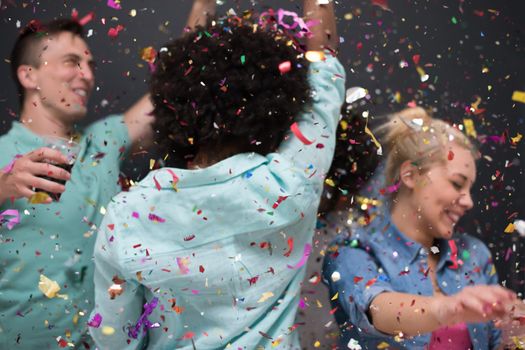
355,159
225,84
24,49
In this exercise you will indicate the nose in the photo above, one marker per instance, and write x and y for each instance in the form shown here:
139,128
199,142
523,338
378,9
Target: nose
86,72
465,200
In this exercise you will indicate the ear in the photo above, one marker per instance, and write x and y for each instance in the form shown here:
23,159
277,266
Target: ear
27,76
407,174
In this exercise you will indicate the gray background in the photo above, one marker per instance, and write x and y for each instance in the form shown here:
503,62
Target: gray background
455,40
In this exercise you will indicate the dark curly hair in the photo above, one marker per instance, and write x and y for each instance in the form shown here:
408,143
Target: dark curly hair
224,84
355,159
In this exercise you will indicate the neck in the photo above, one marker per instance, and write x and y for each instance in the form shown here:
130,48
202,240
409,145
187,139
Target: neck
41,122
405,217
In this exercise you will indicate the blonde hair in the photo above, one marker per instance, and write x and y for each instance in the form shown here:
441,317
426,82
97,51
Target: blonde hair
413,135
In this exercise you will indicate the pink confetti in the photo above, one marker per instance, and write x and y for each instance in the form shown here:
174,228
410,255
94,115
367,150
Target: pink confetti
114,4
304,258
285,67
95,321
11,222
9,167
155,218
182,263
135,215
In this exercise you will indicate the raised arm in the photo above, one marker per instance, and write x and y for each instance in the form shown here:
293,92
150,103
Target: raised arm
138,118
325,33
201,11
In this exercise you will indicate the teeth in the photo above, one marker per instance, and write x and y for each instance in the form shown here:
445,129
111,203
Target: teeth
453,217
80,92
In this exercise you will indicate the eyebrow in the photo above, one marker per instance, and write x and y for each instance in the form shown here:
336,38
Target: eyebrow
463,177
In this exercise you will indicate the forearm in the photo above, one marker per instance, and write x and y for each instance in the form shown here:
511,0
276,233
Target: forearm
324,34
409,314
201,11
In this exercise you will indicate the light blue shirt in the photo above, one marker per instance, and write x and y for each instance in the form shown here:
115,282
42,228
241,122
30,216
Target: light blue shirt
56,240
379,258
223,252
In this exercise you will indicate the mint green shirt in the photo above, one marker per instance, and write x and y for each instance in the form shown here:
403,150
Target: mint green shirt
56,240
224,252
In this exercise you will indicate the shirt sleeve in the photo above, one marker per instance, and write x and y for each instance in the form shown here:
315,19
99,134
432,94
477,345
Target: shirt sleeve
489,270
319,122
354,279
122,311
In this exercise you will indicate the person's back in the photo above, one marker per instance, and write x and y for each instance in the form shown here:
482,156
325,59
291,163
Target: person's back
218,253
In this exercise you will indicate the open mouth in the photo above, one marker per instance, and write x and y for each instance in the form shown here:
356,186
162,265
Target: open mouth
453,217
82,95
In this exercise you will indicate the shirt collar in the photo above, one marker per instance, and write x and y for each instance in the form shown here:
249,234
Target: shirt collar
175,178
408,248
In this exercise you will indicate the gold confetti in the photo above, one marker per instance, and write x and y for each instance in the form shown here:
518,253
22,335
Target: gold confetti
39,198
265,296
50,288
469,128
518,96
314,56
509,228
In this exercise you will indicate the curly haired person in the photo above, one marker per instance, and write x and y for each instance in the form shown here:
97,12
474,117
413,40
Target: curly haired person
211,254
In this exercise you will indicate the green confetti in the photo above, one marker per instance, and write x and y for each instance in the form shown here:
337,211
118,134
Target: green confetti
243,59
454,20
354,243
465,255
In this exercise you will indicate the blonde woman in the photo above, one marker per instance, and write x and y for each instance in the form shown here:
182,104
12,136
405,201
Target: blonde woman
406,280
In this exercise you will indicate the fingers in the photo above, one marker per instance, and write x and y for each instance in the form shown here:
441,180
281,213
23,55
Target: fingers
47,154
47,185
486,302
50,170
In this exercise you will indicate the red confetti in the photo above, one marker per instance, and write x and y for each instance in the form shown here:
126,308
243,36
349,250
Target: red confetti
416,58
114,32
279,201
357,279
290,247
450,155
370,282
299,134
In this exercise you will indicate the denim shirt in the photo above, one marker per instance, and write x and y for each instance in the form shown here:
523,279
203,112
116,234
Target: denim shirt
379,258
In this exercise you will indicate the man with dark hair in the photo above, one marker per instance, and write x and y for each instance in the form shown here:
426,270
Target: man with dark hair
48,215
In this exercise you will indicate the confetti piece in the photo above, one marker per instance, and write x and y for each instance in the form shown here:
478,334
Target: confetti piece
450,155
306,254
314,56
469,128
516,138
299,134
354,94
50,288
383,4
518,96
143,321
114,4
265,296
510,228
155,218
84,20
95,321
183,265
290,247
11,222
378,145
335,297
335,276
279,201
9,167
107,330
285,67
354,344
39,198
519,225
114,32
